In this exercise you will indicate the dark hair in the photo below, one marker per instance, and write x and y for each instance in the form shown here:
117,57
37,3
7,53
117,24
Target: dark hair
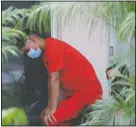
21,41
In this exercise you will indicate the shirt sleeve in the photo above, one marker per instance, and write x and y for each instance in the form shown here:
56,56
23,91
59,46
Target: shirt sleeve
55,57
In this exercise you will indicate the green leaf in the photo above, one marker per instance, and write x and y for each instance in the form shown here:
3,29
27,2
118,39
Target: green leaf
123,83
14,116
9,50
13,16
127,27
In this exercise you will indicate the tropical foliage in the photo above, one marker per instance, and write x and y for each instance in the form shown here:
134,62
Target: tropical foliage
118,110
14,116
121,15
38,17
11,31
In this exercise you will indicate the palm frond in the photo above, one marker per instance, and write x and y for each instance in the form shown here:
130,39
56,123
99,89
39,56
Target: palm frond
132,79
13,16
115,13
125,58
127,27
14,116
10,35
9,50
124,83
118,109
99,109
39,16
68,11
113,112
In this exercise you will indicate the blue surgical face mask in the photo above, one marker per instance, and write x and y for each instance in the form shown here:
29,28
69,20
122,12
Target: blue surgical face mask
109,82
34,53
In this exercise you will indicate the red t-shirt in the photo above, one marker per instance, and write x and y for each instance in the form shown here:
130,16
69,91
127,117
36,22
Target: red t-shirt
77,72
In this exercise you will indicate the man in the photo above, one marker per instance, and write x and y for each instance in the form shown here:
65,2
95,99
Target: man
114,75
69,71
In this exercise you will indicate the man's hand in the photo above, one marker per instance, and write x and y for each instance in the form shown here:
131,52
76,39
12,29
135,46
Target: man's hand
48,116
54,95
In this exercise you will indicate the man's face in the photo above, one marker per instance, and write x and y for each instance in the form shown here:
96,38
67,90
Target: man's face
112,73
30,43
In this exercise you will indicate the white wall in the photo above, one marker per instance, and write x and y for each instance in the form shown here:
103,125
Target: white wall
95,48
123,51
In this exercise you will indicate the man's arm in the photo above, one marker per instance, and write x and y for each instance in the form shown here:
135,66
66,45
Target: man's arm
49,91
54,96
54,90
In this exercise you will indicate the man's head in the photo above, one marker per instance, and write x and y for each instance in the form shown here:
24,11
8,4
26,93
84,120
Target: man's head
34,42
33,45
112,72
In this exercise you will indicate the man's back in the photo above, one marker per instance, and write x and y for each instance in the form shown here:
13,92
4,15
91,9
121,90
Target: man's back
77,72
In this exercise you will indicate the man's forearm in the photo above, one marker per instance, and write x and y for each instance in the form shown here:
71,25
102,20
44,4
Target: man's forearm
49,92
55,93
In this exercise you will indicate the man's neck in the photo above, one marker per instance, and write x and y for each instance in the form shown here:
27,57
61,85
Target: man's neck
43,44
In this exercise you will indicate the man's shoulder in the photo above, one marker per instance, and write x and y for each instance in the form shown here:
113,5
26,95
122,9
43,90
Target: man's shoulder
55,42
52,39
